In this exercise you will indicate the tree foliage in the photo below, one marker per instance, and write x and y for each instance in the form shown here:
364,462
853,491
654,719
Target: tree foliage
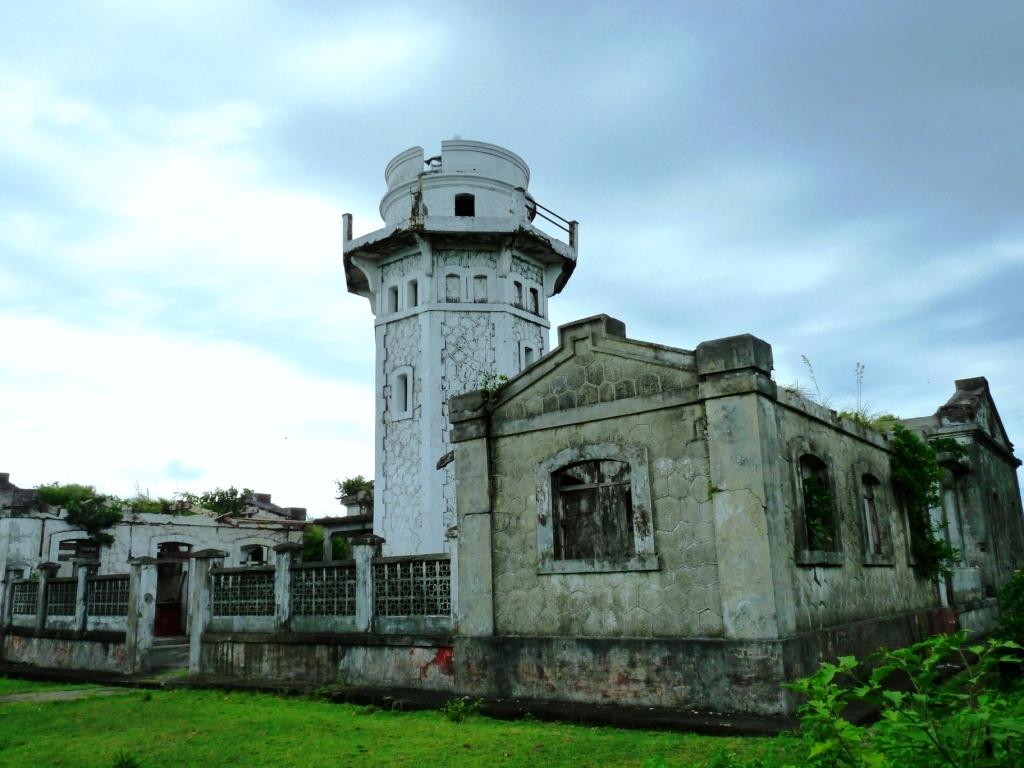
354,486
222,501
313,545
86,509
916,479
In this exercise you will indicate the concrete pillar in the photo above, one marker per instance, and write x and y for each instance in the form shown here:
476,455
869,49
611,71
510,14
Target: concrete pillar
750,529
364,549
200,606
142,576
475,583
47,571
328,549
284,555
83,570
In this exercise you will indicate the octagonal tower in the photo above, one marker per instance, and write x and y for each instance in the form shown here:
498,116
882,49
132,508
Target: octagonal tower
458,280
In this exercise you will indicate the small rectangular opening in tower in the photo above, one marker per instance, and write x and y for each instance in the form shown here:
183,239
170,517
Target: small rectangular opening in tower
403,393
517,294
534,301
480,289
413,294
452,286
529,355
465,205
393,298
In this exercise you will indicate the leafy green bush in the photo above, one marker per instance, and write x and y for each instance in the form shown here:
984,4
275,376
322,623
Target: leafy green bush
86,509
126,759
1011,609
313,545
353,486
954,721
916,477
222,501
458,710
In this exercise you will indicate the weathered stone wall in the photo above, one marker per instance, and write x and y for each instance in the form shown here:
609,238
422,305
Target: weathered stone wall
826,595
99,651
358,660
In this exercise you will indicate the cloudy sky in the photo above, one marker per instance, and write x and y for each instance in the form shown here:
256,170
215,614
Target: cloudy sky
842,180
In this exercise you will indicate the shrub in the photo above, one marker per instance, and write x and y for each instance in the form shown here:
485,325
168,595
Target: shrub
126,759
86,509
222,501
457,710
1011,609
956,722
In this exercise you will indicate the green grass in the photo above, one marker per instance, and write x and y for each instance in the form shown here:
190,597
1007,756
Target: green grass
10,685
209,729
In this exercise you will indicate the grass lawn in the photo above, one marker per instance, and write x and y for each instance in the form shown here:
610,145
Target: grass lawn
10,685
209,729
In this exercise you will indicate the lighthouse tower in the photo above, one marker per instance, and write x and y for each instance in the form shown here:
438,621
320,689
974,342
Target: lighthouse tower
458,281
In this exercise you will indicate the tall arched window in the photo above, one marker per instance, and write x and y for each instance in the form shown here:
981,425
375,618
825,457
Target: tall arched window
593,511
872,522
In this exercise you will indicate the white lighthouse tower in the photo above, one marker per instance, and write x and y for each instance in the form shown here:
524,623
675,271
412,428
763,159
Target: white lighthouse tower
458,280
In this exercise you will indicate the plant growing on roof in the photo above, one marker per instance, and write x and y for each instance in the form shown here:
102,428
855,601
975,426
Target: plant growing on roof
222,501
353,486
86,509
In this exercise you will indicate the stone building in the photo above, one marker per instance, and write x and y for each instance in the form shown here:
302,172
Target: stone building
636,525
31,536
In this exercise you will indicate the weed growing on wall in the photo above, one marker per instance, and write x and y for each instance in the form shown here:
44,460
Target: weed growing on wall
916,477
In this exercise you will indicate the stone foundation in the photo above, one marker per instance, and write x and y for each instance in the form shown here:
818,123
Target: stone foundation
57,649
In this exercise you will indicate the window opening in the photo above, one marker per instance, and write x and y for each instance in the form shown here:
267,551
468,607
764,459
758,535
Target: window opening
412,294
452,289
78,549
869,484
393,298
255,555
517,294
593,511
529,355
403,392
465,205
480,289
819,519
534,301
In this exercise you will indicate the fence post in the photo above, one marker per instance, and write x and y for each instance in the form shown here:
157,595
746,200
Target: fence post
84,569
200,607
141,611
284,556
364,549
47,571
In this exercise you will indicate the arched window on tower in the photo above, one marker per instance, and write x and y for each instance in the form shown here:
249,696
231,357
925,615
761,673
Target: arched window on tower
465,205
820,530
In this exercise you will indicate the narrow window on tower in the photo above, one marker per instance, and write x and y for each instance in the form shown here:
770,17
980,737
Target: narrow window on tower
465,205
517,294
400,405
452,289
480,289
393,298
535,301
412,294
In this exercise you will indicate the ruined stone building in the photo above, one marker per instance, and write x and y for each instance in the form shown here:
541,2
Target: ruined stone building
617,522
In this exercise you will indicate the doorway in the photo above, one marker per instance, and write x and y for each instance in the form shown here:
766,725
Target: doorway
171,581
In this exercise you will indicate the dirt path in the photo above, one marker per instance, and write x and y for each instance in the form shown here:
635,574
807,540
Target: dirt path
65,695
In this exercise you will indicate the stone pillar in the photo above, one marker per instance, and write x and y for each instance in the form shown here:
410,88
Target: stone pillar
284,555
142,576
750,527
364,549
475,600
47,571
328,550
200,606
83,570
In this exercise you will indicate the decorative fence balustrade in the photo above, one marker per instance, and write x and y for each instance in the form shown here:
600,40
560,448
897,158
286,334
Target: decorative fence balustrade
24,597
412,586
387,595
61,597
323,589
105,607
108,597
242,591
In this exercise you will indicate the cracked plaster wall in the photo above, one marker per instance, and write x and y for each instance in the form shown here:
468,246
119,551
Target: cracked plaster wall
679,600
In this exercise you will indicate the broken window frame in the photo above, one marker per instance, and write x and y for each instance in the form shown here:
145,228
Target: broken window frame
870,485
640,556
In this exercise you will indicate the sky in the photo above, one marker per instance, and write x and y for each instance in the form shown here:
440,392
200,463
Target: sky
843,180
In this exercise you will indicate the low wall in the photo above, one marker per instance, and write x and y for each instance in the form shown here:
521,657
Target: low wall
61,649
321,659
703,674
